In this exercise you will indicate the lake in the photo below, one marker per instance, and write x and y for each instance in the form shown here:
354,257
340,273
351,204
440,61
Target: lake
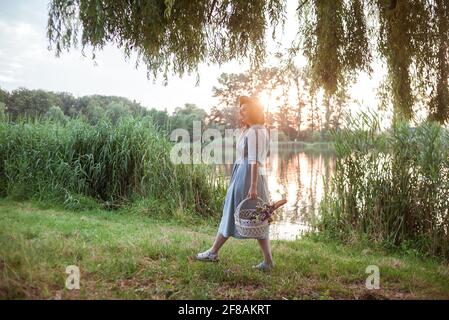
298,176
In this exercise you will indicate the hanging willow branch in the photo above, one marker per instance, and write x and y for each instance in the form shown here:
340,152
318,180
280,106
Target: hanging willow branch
412,39
339,38
167,35
335,41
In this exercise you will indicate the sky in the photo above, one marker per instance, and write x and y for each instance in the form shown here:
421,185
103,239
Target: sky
25,61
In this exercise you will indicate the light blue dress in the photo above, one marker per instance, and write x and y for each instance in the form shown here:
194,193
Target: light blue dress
239,187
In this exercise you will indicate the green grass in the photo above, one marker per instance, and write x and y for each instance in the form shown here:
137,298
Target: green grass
124,254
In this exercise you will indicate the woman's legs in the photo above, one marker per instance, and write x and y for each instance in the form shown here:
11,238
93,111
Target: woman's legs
265,246
218,243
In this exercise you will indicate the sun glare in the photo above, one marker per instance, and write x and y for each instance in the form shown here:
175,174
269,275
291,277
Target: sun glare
271,100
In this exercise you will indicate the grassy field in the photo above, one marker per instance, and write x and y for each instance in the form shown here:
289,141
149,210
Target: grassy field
130,255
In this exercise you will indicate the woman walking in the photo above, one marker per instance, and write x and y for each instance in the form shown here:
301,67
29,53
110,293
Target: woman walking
247,180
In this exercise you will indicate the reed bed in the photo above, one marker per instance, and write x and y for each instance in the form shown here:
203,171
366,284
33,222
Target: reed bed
390,187
107,164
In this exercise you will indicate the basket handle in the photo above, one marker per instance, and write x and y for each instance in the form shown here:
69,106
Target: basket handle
237,210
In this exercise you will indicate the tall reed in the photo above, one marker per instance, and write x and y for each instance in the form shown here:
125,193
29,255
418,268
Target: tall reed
391,187
110,163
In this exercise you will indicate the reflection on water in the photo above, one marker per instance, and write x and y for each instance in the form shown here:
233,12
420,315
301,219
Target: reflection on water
299,177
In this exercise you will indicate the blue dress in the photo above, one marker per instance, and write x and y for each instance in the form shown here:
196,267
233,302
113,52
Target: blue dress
238,190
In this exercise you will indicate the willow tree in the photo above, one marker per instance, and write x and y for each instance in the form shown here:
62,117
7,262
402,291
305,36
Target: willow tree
167,35
342,38
339,38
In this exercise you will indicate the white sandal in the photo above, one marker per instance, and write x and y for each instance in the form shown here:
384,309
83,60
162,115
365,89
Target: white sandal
207,256
263,266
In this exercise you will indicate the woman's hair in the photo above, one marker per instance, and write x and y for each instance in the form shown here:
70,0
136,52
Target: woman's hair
255,109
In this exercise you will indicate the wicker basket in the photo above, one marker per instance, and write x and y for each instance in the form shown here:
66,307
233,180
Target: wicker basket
246,227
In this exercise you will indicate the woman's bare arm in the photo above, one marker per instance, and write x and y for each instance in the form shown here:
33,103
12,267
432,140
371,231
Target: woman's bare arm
253,187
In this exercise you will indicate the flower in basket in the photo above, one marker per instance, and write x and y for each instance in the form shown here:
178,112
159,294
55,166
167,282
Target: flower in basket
265,211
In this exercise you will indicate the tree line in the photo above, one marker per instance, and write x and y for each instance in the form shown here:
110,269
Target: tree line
61,106
291,104
295,112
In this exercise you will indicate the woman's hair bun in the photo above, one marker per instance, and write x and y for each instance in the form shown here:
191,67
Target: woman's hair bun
256,112
253,101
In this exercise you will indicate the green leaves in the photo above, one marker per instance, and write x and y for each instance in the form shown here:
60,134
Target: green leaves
167,35
342,38
169,5
335,41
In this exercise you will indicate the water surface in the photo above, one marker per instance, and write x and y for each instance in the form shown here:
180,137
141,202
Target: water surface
298,176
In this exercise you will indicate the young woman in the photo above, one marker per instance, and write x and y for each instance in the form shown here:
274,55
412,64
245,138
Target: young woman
247,180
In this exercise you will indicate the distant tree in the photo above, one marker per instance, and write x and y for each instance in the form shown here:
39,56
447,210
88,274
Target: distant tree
215,118
115,111
160,118
274,82
314,115
281,80
339,104
68,103
327,112
286,122
224,117
94,113
2,111
55,114
267,80
269,119
3,95
130,107
183,117
230,87
300,86
32,103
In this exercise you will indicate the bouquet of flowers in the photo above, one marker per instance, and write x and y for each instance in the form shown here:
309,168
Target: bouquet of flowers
265,211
